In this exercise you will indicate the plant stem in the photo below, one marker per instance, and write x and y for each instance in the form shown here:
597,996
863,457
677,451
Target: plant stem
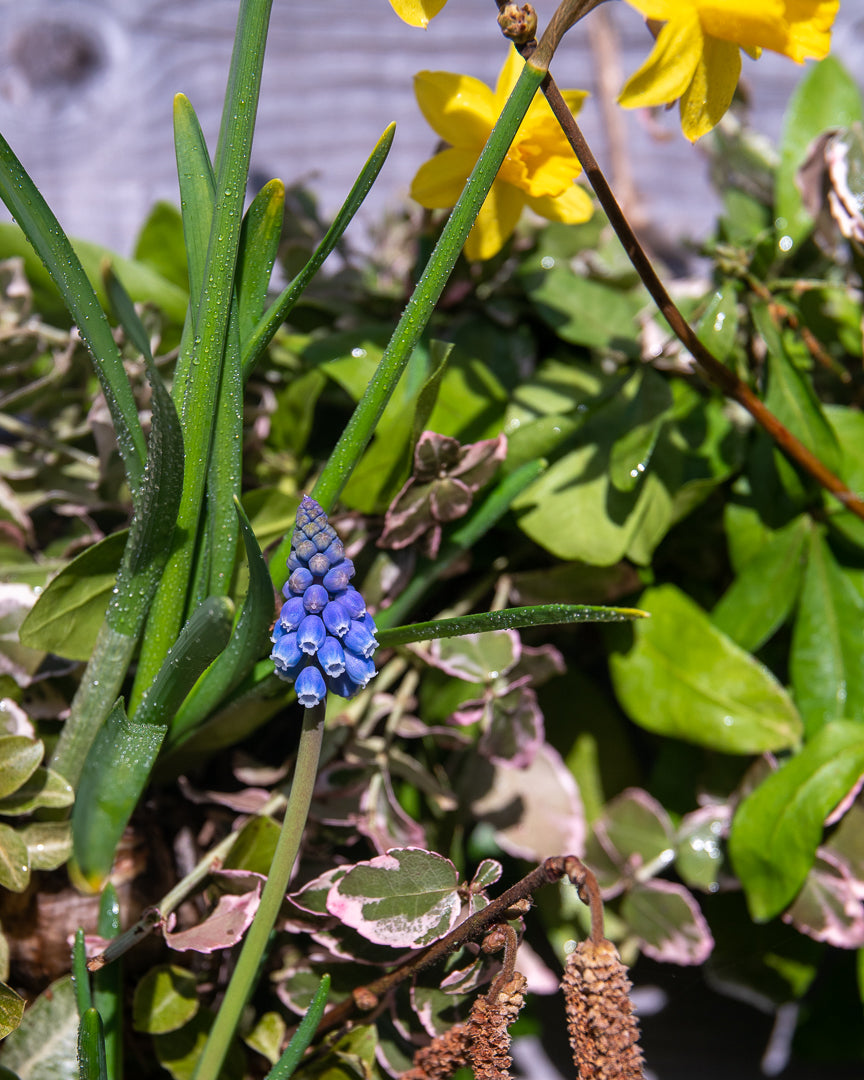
714,371
241,985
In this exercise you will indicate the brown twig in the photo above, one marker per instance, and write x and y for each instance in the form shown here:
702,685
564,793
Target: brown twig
715,372
367,997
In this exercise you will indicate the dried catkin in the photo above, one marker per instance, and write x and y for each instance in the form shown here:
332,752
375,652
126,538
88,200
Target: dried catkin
604,1033
489,1048
442,1057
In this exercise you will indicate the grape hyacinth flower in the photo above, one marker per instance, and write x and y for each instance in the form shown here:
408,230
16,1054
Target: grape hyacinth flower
324,638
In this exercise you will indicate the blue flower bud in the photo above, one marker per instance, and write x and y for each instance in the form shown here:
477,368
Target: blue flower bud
319,564
320,608
358,669
293,612
310,686
337,618
311,634
286,654
331,657
299,581
359,640
336,579
353,602
315,597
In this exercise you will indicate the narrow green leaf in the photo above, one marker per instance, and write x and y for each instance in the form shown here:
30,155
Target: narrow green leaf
509,618
160,245
826,97
80,975
248,643
684,678
42,229
124,311
69,613
439,355
827,659
778,827
108,985
259,245
303,1036
263,333
762,595
91,1047
124,751
197,194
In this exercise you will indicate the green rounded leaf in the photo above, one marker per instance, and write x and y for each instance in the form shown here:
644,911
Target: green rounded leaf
14,860
45,1044
778,826
684,678
165,999
20,756
11,1010
44,788
49,843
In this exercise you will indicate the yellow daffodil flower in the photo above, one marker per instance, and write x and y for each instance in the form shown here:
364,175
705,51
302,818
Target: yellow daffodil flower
539,170
417,12
697,57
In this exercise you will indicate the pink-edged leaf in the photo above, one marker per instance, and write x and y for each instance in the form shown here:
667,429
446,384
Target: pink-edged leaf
487,873
479,658
478,462
515,731
668,922
476,711
699,851
436,1009
224,927
636,831
449,500
405,899
845,803
847,842
408,517
338,790
538,664
312,897
828,907
536,812
247,801
464,980
435,455
383,820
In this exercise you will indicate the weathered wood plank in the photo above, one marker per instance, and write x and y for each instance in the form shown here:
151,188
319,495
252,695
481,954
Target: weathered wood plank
86,90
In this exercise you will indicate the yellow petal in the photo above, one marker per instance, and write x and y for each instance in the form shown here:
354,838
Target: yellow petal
810,23
417,12
709,94
459,108
797,28
439,182
496,221
573,207
657,9
548,174
667,72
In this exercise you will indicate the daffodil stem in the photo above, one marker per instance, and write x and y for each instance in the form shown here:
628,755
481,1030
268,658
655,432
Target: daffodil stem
248,963
361,426
714,371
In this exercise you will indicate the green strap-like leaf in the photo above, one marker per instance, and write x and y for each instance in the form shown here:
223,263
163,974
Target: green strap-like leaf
108,985
248,643
257,341
80,975
303,1036
259,245
508,619
123,753
42,229
91,1047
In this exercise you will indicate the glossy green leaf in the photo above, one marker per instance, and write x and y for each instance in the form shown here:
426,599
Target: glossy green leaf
45,1044
778,827
248,643
11,1010
124,751
91,1047
14,860
848,423
718,326
303,1036
108,995
826,97
668,922
255,344
124,311
644,416
165,999
20,756
160,244
67,616
259,244
827,658
197,192
684,678
765,591
790,395
49,843
44,789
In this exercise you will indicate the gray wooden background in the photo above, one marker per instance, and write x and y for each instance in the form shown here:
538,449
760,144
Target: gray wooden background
86,91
